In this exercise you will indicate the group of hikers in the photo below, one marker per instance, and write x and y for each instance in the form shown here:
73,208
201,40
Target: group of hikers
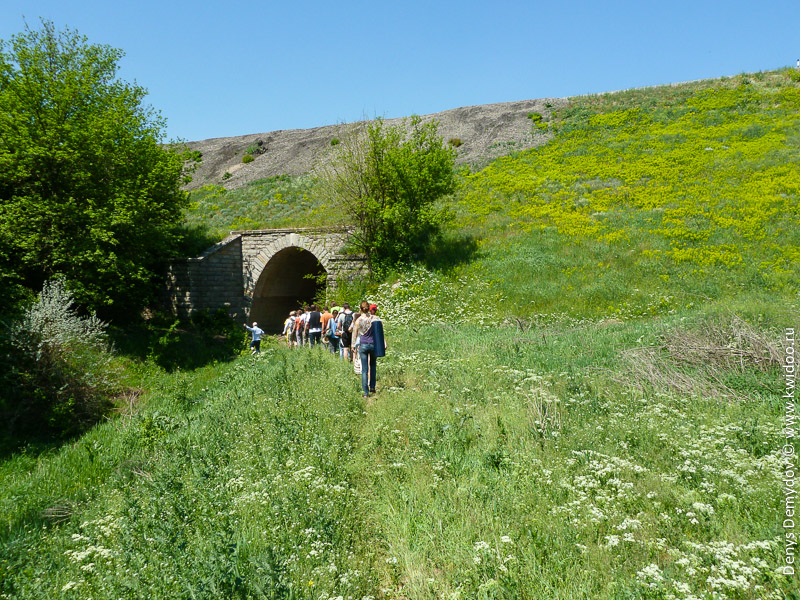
354,336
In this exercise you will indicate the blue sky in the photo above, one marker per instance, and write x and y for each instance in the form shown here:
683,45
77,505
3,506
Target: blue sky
218,69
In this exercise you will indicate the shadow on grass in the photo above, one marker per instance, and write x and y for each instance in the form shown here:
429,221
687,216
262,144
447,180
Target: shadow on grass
182,344
31,444
170,343
450,250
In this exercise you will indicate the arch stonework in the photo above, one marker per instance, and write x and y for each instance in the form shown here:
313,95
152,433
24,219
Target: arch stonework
291,240
232,273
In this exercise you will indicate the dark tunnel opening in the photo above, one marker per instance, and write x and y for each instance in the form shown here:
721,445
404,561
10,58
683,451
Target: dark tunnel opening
291,279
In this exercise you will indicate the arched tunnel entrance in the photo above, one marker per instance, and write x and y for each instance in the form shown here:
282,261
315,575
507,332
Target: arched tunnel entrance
290,279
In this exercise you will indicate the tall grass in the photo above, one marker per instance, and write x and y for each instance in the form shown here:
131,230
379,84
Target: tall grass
494,462
240,488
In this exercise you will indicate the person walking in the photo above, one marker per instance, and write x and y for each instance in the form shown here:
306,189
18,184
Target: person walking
300,326
288,328
369,328
255,345
355,337
344,321
326,316
314,326
333,332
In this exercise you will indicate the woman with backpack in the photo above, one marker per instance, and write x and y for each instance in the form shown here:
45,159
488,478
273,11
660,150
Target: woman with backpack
288,328
368,330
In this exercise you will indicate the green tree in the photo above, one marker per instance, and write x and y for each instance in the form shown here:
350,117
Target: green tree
87,191
386,180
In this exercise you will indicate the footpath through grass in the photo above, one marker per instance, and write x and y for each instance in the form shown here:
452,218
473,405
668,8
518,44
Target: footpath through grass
570,460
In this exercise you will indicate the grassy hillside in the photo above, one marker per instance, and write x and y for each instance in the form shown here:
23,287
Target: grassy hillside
282,201
654,198
585,404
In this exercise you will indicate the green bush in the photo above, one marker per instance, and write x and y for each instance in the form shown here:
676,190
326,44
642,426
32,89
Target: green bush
60,371
385,180
247,158
538,120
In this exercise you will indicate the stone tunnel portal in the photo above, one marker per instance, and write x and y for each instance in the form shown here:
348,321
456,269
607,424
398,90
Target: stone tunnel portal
290,279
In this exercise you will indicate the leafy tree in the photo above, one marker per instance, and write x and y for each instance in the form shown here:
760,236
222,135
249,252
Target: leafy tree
86,189
386,180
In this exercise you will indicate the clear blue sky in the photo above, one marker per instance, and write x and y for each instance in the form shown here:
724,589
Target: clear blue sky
218,69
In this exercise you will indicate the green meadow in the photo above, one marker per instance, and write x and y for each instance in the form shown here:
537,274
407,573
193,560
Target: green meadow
583,394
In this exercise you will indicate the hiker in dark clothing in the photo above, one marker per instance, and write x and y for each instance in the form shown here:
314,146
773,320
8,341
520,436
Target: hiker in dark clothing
314,326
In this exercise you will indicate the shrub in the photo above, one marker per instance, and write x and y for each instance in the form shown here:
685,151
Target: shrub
256,148
247,158
455,142
60,363
385,180
335,141
538,120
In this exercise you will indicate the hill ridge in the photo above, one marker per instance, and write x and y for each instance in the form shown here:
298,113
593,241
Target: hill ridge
486,131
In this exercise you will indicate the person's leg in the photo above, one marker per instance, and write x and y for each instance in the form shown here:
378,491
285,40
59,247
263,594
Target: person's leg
373,365
363,353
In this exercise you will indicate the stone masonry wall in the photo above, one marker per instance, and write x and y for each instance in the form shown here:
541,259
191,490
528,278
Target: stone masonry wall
226,275
210,281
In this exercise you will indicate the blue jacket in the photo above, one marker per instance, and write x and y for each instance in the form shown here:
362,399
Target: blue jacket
256,331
